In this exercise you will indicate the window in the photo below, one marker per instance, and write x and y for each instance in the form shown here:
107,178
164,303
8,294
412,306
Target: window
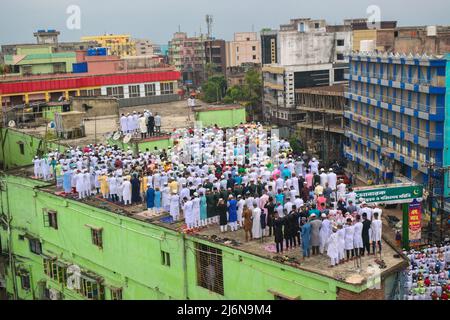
134,91
50,219
115,92
35,246
97,238
340,56
317,25
91,289
150,89
25,281
167,88
116,293
340,42
21,147
209,268
254,48
91,93
165,258
56,270
237,49
254,57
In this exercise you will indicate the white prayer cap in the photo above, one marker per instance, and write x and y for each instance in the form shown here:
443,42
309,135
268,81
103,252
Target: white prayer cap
323,215
322,170
330,170
313,159
313,215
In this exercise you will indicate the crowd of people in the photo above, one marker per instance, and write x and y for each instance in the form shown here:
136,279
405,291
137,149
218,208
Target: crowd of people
241,178
146,124
428,274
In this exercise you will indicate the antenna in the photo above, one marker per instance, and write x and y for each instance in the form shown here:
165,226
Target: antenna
179,28
209,24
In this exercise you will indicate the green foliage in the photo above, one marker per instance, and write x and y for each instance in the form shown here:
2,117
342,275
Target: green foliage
295,146
248,93
214,89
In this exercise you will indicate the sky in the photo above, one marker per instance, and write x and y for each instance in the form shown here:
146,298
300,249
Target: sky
157,20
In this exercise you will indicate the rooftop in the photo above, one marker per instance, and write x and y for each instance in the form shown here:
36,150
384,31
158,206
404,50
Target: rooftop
347,273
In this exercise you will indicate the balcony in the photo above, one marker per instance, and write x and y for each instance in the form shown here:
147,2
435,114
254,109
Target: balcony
408,133
398,103
434,82
428,86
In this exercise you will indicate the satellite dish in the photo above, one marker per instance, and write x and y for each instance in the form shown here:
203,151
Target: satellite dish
116,136
127,138
12,124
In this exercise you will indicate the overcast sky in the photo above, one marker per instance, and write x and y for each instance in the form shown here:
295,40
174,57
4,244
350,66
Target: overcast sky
159,19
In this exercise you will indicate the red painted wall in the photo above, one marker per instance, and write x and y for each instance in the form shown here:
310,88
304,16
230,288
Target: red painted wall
86,81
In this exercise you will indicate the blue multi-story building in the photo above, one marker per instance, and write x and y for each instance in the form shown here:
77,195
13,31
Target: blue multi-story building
397,121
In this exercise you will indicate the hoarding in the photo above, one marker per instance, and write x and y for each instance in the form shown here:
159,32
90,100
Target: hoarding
390,194
415,222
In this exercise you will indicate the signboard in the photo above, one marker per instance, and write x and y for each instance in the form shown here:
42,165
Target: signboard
415,222
391,194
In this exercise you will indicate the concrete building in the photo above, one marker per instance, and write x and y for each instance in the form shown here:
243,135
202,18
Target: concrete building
123,255
424,39
269,46
382,37
322,125
40,59
188,55
48,39
309,53
397,117
94,76
245,48
118,44
144,47
215,54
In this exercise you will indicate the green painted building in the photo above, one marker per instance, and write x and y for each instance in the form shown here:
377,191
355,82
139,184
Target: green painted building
223,116
117,253
40,60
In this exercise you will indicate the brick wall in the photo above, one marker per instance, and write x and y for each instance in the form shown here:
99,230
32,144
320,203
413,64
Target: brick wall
369,294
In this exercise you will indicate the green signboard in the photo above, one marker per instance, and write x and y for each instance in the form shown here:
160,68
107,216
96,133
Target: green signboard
390,194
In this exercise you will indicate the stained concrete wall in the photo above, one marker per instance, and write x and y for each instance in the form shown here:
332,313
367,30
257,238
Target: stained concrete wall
101,106
299,48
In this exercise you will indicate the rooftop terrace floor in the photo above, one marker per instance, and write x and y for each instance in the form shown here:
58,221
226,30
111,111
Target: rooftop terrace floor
348,272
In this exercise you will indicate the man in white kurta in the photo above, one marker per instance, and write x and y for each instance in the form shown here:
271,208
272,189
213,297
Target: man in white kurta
333,248
126,191
123,124
174,206
188,213
325,232
375,228
332,179
256,227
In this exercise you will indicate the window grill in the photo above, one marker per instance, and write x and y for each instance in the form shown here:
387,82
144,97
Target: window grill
209,268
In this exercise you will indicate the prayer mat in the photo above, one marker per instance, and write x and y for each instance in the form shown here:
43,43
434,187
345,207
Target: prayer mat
168,219
271,248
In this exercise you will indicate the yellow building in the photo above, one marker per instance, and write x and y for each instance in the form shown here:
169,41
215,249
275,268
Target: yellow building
118,44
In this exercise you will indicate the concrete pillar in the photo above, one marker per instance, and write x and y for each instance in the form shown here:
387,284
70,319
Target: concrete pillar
27,98
142,90
66,95
103,91
158,88
47,96
126,92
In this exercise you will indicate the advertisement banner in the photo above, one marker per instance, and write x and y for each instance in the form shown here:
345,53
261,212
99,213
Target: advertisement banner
415,222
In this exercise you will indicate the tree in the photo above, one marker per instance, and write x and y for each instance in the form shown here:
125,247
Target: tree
249,93
214,89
